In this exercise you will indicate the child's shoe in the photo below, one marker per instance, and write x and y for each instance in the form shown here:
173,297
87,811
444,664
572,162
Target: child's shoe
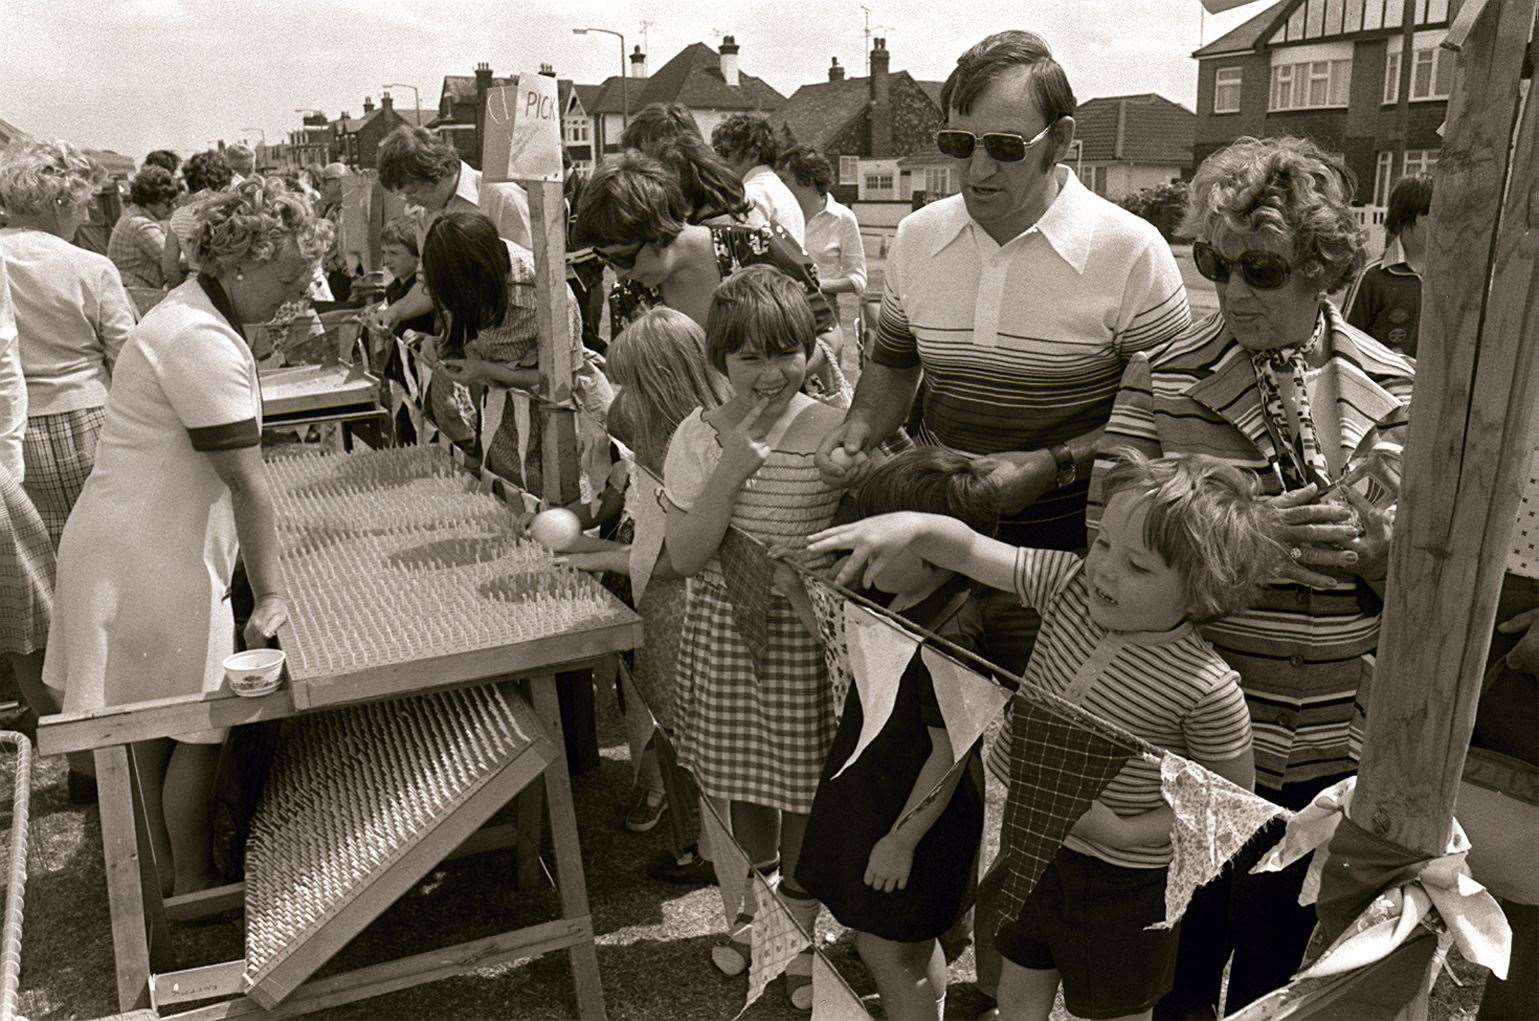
732,957
647,811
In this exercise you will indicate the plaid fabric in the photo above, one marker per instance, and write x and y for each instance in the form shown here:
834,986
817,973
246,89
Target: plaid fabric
59,452
26,572
748,574
1055,773
751,735
662,620
134,247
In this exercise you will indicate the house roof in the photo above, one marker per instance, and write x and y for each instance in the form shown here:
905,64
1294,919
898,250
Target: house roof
1146,128
816,113
587,95
693,79
1248,35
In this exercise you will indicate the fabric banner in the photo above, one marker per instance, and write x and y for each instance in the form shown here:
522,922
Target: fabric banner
520,402
749,576
829,608
1214,819
879,653
1057,769
731,862
776,940
491,416
832,997
650,532
968,700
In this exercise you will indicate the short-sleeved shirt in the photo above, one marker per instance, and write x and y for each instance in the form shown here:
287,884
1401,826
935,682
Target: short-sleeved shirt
1022,344
135,247
72,317
1385,303
1170,688
833,242
773,200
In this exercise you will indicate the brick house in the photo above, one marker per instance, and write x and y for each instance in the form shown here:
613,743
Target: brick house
1128,143
461,114
877,131
1330,70
709,83
357,138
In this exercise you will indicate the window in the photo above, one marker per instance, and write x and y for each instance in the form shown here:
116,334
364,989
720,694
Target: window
1431,75
937,181
1095,179
1309,84
1226,89
1417,161
577,129
849,169
879,182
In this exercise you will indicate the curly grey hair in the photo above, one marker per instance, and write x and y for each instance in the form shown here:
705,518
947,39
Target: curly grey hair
1289,186
252,221
36,177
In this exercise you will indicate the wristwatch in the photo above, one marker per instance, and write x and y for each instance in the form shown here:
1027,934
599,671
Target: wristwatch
1064,459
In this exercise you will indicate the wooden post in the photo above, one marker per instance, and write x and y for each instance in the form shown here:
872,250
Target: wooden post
558,347
1469,439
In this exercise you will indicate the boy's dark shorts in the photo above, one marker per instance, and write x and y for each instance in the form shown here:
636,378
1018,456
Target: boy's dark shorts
1086,919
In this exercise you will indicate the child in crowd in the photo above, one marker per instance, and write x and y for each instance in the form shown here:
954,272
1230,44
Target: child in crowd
1184,539
1385,300
755,730
890,862
398,253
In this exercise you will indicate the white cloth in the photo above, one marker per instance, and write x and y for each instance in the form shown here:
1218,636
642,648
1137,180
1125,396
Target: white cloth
833,241
13,386
141,608
506,204
774,201
72,316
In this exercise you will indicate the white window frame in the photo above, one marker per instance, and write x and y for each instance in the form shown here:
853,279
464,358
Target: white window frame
1223,86
1417,161
849,169
878,180
1293,85
1429,54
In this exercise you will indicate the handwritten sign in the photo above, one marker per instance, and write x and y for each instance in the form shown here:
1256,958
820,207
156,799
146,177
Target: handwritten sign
534,151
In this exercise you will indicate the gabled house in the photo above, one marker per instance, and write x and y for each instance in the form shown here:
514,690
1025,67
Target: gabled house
1330,70
1128,143
462,110
878,132
357,138
708,82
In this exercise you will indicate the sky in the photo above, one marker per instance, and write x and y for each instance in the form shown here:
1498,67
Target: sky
135,75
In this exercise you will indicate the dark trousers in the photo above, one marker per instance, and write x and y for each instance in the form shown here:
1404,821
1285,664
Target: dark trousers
1256,918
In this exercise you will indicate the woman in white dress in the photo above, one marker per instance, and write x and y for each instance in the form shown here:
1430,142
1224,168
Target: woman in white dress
141,606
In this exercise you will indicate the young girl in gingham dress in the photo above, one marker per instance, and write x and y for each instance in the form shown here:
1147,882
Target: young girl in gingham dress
754,728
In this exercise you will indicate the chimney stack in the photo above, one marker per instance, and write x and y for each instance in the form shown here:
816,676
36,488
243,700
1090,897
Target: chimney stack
835,72
385,102
879,119
879,65
483,86
548,70
368,105
729,60
638,63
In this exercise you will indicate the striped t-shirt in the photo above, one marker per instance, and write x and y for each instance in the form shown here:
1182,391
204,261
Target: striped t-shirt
1170,688
1022,344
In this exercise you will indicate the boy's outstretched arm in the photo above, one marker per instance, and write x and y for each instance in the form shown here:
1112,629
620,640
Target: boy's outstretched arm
940,540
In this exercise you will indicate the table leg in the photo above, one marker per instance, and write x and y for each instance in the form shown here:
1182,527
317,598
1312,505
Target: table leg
531,825
120,853
162,955
569,875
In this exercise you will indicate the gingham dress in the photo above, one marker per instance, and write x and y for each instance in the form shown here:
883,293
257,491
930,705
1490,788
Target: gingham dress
60,451
747,737
26,571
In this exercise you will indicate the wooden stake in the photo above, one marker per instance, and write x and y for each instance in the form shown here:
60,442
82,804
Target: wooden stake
1469,439
558,347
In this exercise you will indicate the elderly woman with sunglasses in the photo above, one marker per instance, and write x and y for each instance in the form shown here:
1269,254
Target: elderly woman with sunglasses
1276,382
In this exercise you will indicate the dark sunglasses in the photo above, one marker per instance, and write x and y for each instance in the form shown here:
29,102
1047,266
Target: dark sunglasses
623,257
1265,271
1002,146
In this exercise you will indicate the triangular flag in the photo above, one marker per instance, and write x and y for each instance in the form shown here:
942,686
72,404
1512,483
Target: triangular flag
1220,6
832,997
520,401
775,940
650,532
491,416
1057,768
749,575
968,701
1214,819
728,858
828,605
879,653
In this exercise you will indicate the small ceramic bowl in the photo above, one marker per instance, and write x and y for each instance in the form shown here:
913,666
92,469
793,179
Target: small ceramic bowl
255,672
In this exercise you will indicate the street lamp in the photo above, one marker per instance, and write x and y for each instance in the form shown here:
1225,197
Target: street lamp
625,91
416,98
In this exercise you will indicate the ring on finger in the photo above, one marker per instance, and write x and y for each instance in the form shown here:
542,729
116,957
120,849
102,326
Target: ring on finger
1297,553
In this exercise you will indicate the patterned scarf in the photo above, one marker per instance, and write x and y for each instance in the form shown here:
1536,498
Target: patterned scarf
1299,457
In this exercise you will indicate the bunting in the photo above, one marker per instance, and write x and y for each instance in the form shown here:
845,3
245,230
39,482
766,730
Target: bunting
968,701
729,859
1214,819
829,607
879,653
832,997
650,532
1057,768
520,402
776,940
748,575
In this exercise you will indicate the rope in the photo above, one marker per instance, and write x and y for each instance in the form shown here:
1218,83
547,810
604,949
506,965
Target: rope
16,884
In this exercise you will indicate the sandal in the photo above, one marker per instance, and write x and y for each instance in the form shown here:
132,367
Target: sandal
647,810
732,957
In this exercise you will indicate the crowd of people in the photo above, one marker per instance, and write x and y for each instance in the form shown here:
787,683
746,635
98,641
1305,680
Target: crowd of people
1045,459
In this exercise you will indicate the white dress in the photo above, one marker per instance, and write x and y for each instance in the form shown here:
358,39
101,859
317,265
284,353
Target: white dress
141,607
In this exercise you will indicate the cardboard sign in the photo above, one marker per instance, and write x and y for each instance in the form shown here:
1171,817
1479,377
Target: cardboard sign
522,141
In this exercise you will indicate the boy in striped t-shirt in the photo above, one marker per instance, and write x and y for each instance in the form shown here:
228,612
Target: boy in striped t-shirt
1183,539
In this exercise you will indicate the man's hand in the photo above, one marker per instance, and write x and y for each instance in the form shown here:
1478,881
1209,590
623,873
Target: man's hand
1023,477
1525,656
841,458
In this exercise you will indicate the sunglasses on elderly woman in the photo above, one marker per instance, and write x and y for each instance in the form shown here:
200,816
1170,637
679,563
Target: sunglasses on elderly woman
620,256
1265,271
1002,146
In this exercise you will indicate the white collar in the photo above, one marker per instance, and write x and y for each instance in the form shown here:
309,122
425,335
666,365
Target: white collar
1068,225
